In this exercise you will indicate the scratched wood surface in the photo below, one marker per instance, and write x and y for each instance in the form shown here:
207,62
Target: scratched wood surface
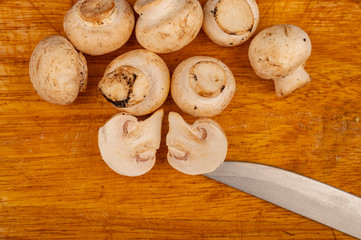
54,184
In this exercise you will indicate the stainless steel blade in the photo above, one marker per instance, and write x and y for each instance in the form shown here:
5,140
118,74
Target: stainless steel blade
315,200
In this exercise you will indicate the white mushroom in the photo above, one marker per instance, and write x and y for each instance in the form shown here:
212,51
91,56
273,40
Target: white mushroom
230,22
129,147
202,86
98,27
279,53
136,82
57,71
195,149
166,26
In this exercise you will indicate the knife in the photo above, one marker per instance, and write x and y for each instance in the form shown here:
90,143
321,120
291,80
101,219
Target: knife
310,198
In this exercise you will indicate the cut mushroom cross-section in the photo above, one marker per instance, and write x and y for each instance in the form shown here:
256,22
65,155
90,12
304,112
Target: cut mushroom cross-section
230,22
57,71
202,86
195,149
166,26
129,146
279,53
97,27
136,82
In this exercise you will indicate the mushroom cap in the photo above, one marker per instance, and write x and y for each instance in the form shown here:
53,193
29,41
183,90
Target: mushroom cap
202,86
166,26
129,146
278,50
57,71
195,149
136,82
230,22
97,27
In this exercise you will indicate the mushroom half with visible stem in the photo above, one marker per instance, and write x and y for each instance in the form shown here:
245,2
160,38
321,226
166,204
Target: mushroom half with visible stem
136,82
195,149
202,86
230,22
57,71
97,27
128,146
166,26
280,53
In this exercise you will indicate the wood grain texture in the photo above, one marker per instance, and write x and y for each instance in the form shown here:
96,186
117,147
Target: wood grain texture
54,184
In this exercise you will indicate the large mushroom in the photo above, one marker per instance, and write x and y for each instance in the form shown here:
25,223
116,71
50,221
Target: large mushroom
97,27
166,26
195,149
202,86
279,53
57,71
230,22
136,82
128,146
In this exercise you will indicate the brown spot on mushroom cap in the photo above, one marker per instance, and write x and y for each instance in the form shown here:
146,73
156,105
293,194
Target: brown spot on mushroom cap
96,10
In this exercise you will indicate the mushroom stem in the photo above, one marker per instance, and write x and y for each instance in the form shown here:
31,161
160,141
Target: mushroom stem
96,10
291,82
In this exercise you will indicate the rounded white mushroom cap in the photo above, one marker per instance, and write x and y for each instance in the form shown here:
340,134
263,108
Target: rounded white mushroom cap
230,22
97,27
129,147
279,53
57,71
195,149
202,86
166,26
136,82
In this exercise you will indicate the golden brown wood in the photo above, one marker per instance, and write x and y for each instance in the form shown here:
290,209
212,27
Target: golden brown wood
54,184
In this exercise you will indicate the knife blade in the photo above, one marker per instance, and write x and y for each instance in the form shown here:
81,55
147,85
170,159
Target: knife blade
302,195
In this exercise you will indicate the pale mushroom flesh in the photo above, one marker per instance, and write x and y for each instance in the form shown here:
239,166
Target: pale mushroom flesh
280,53
230,22
129,146
195,149
136,82
97,27
202,86
57,71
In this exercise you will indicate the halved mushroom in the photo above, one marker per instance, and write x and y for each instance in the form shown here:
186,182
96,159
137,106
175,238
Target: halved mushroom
279,53
97,27
57,71
195,149
166,26
230,22
202,86
129,147
136,82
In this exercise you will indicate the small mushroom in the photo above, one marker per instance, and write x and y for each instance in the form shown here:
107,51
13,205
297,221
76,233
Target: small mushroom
57,71
279,53
128,146
230,22
136,82
97,27
166,26
202,86
195,149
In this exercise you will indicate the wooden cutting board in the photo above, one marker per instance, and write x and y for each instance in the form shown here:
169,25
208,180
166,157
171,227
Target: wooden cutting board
54,184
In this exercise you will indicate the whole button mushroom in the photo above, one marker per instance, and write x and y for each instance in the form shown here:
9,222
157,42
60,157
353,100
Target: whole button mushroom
57,71
166,26
195,149
97,27
202,86
230,22
128,146
136,82
279,53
